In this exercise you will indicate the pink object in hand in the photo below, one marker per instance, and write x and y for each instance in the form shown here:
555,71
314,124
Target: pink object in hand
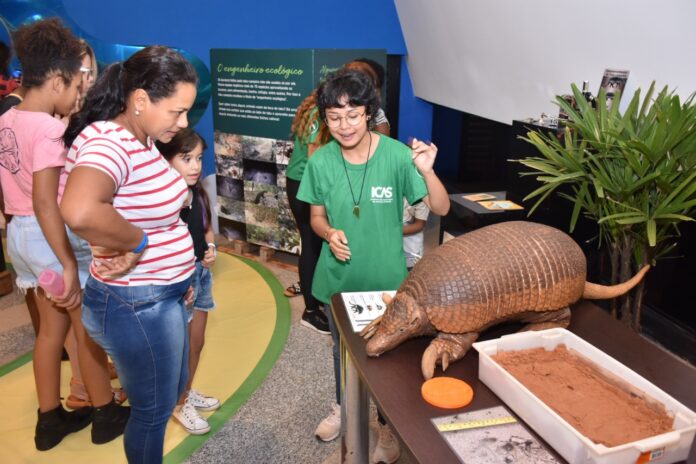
51,282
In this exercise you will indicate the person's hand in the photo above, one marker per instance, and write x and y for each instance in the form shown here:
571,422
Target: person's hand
338,244
188,297
72,295
189,199
110,264
209,257
423,155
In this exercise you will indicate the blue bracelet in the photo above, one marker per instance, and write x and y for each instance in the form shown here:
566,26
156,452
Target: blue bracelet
141,246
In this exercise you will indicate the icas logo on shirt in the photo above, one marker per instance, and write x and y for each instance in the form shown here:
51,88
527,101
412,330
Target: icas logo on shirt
381,195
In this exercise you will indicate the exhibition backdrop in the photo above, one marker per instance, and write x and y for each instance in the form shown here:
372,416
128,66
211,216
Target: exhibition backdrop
255,95
263,24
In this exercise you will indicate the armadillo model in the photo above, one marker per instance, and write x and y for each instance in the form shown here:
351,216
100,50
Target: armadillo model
515,270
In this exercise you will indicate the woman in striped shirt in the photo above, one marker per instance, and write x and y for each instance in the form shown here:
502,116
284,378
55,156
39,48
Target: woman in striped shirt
124,199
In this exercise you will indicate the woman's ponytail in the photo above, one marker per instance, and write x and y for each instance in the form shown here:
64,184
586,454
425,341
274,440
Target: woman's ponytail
104,101
155,69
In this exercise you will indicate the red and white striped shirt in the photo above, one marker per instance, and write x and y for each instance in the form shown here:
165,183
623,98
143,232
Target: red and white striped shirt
149,194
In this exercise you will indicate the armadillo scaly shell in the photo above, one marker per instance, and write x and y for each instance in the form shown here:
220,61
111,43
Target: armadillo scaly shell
508,271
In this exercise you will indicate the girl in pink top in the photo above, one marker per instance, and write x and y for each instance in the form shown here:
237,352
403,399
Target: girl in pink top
32,175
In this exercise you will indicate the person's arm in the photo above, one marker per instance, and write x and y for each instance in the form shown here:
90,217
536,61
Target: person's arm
383,128
414,227
88,210
211,252
44,201
209,236
7,217
424,157
338,242
381,123
437,198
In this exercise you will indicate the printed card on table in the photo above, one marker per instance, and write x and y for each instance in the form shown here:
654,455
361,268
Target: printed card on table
479,197
500,205
492,436
364,307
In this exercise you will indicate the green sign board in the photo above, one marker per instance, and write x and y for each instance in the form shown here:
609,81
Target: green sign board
256,92
330,60
255,96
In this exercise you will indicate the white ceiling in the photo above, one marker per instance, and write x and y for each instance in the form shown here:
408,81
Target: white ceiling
507,59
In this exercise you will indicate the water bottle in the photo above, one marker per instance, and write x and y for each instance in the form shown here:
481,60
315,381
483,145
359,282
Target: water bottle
52,282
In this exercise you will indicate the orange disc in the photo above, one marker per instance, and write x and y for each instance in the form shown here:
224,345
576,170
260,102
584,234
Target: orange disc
447,392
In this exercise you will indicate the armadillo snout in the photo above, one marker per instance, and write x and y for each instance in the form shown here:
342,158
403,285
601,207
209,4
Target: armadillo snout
374,346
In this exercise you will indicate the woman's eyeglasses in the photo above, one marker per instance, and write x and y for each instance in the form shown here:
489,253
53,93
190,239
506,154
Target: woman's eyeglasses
89,72
353,119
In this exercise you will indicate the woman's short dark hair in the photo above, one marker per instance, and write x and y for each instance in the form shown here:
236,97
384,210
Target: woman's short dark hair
45,47
350,84
156,69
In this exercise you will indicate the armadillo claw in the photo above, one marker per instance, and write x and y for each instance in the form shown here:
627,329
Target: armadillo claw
434,353
428,362
370,328
368,332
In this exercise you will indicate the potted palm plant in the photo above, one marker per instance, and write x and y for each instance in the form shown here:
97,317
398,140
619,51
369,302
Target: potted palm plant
634,173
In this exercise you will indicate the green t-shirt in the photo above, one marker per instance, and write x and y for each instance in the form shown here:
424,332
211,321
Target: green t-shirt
376,237
300,153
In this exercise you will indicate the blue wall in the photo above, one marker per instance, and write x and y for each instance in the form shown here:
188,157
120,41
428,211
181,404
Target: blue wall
199,26
415,115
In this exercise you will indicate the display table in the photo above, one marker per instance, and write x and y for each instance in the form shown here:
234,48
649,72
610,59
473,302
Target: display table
473,207
394,380
466,215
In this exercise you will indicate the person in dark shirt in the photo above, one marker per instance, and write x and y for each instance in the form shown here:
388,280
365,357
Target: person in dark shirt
185,153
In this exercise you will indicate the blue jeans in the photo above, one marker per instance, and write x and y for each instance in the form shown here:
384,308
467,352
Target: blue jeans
143,329
336,351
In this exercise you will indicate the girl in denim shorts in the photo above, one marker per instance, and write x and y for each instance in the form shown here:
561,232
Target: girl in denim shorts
185,154
32,177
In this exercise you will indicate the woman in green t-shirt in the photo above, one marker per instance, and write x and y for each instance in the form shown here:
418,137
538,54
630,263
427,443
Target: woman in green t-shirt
310,133
355,185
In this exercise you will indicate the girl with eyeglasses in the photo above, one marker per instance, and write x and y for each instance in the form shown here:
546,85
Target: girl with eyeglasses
79,396
355,185
310,133
89,73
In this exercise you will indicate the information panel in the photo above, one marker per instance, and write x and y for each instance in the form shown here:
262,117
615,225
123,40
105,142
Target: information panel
255,96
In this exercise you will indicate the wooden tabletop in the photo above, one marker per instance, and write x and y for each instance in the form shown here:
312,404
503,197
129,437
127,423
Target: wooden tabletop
394,379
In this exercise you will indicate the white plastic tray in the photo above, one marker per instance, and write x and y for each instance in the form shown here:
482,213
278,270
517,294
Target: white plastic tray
574,447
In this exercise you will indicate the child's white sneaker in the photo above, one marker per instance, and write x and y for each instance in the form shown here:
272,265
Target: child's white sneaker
190,420
202,402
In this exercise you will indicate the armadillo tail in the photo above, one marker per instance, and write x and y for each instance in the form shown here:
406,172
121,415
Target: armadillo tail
604,292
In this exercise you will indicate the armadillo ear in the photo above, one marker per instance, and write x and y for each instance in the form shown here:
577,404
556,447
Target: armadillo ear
386,298
415,320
